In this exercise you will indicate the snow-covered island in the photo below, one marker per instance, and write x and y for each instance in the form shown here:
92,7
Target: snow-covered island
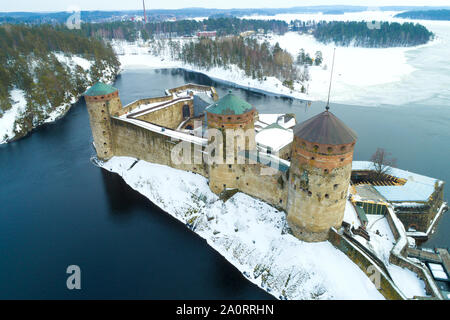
298,229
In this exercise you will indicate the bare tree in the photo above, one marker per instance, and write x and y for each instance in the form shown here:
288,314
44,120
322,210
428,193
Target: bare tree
382,162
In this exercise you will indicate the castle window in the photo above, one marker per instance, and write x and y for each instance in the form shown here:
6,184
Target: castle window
316,147
330,149
103,111
342,159
229,166
335,186
104,143
237,178
325,171
309,193
281,201
229,118
104,104
312,158
343,148
327,196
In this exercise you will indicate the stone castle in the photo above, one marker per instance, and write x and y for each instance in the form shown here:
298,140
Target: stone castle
304,169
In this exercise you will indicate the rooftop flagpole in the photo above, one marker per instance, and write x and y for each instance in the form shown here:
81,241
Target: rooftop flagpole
331,80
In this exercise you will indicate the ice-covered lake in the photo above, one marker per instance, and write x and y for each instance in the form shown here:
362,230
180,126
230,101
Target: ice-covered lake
377,76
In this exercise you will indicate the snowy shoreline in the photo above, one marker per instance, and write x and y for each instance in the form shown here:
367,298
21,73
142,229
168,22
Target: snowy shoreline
249,233
253,236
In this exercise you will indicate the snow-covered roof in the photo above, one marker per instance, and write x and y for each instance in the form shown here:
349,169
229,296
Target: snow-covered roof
418,188
274,137
438,271
283,120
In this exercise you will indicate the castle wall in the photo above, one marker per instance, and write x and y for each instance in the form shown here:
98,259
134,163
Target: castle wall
421,218
133,141
170,116
130,107
386,287
196,87
264,183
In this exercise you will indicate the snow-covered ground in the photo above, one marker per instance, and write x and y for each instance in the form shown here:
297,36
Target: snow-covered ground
7,121
250,234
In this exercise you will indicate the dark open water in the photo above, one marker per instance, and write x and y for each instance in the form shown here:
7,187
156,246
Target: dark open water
58,209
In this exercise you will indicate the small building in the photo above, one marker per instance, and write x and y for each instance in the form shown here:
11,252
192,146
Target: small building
417,199
275,139
206,34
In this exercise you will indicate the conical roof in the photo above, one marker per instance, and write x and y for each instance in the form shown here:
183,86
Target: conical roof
230,104
325,128
100,89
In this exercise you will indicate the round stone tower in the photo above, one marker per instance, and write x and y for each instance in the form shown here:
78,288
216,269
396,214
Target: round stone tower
233,118
321,166
102,101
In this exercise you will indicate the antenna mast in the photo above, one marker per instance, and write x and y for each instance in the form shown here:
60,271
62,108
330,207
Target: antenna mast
145,15
331,79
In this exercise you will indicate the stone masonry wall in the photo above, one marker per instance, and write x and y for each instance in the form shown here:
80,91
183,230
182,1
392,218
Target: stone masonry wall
386,287
170,116
133,141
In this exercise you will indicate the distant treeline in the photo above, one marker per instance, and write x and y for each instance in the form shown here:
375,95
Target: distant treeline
426,15
130,31
27,62
258,60
379,35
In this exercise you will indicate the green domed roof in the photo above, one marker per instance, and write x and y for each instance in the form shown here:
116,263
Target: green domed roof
100,89
230,105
